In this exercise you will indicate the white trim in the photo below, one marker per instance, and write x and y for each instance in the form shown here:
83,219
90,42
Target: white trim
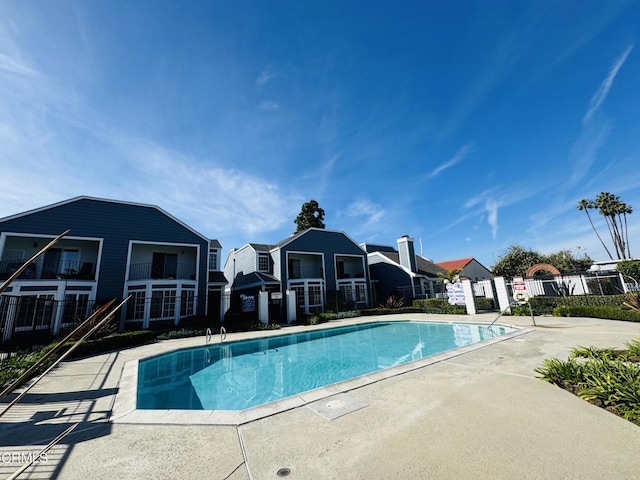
164,244
354,255
99,240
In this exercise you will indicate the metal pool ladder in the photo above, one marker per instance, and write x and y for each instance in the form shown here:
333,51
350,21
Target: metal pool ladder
223,334
209,334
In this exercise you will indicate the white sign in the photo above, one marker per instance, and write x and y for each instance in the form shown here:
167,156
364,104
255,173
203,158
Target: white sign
455,294
520,294
276,295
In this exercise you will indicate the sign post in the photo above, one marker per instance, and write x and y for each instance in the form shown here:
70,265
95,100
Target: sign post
521,296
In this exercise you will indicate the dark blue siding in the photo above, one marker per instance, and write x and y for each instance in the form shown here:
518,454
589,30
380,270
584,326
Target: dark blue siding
390,278
116,223
322,241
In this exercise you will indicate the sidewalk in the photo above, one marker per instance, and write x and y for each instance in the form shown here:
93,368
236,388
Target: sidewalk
482,414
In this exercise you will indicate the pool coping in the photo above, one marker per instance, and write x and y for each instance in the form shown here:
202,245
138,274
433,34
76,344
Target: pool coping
124,407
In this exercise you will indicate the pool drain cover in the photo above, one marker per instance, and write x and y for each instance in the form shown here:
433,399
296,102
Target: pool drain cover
283,472
333,404
336,406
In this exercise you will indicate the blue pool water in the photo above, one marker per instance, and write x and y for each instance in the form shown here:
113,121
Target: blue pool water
243,374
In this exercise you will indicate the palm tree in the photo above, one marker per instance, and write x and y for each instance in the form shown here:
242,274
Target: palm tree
451,276
585,205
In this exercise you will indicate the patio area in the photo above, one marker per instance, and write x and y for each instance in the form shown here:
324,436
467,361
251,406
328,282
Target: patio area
478,414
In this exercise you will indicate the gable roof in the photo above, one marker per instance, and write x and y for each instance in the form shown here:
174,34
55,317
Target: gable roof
260,247
424,266
295,236
459,263
104,200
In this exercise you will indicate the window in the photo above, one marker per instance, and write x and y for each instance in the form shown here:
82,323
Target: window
263,262
59,261
346,293
361,292
164,265
135,305
163,304
187,303
34,312
75,308
213,260
315,295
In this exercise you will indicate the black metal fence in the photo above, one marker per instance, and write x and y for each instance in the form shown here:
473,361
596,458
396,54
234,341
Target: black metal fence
29,319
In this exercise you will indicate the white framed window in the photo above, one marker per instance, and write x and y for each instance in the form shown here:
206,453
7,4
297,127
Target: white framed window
135,305
163,304
213,260
263,262
187,302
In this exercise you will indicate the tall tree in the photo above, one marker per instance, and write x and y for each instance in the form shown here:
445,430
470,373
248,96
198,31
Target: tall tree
517,260
585,205
615,214
311,215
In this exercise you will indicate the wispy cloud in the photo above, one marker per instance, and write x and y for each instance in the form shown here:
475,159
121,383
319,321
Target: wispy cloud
369,213
268,105
492,216
265,76
458,157
601,94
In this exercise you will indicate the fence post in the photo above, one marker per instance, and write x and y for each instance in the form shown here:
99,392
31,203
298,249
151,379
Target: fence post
291,306
502,293
263,307
469,296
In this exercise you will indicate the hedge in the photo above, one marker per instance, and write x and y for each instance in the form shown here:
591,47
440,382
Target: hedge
113,342
597,311
439,305
389,311
545,305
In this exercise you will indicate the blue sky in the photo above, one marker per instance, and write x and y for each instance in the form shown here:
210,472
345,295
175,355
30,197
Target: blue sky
468,125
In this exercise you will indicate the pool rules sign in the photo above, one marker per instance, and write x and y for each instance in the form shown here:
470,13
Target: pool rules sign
520,294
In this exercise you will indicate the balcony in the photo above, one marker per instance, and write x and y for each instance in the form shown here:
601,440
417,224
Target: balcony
47,270
151,271
350,272
296,272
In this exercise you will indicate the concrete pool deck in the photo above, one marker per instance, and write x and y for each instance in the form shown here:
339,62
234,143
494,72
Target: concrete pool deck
479,414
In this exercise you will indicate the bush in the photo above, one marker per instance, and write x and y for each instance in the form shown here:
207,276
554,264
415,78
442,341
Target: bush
439,305
605,377
483,303
14,366
389,311
113,342
182,333
597,311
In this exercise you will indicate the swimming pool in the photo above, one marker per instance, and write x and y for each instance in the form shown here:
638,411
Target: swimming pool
244,374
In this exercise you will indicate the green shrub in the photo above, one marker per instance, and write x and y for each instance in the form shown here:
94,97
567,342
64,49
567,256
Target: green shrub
605,377
13,367
598,311
182,333
483,303
439,305
113,342
265,326
389,311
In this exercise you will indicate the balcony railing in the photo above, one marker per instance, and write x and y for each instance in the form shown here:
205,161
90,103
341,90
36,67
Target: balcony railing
306,272
46,270
351,272
147,271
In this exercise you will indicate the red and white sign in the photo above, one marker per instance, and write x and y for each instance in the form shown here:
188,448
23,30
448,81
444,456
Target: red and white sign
520,292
